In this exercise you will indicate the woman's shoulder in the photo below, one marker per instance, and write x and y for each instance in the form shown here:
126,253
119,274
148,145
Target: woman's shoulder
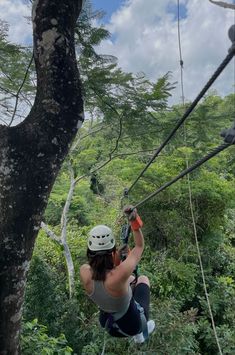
85,271
85,267
86,277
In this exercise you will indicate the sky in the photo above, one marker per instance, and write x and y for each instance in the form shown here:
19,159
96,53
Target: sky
144,38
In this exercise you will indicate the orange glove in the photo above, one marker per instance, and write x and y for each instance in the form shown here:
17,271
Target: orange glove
133,217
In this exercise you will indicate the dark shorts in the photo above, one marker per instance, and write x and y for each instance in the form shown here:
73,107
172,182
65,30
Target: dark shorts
130,323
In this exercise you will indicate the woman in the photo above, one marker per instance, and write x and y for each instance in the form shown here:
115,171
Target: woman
124,306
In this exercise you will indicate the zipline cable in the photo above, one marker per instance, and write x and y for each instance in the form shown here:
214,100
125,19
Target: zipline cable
216,74
191,199
210,155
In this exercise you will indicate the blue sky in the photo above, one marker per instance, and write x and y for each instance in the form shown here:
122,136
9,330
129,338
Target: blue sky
109,6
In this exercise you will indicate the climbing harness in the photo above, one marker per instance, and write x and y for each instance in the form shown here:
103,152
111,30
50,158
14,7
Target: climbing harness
112,319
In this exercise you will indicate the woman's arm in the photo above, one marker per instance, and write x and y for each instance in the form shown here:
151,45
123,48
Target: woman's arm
126,268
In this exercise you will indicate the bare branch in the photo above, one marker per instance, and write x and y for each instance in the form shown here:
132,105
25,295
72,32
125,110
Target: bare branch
110,155
134,153
104,101
19,90
13,94
4,122
50,233
7,91
118,138
64,216
76,143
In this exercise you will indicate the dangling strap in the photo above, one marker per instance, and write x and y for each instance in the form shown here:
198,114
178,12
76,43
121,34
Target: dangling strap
104,343
111,323
144,325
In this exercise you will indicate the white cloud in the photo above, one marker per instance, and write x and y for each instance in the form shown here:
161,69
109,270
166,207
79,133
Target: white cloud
145,39
15,12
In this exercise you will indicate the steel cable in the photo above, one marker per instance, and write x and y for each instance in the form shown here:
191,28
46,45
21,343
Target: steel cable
198,163
216,74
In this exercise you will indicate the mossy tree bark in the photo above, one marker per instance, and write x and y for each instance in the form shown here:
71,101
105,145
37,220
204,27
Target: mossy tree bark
32,152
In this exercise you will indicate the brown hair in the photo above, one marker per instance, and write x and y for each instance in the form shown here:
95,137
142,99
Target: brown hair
100,262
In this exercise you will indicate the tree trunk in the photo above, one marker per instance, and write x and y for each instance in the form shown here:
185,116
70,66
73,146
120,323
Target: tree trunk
31,155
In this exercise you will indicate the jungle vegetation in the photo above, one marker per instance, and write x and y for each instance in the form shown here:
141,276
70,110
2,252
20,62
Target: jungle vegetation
127,118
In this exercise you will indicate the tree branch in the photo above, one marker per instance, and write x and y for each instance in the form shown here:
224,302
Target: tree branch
19,90
50,233
64,216
76,143
223,4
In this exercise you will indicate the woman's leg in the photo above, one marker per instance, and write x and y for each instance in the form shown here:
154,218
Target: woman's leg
130,323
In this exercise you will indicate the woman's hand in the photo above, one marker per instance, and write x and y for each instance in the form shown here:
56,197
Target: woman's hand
133,217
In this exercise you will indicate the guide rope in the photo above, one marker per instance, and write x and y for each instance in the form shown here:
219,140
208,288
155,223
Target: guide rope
191,199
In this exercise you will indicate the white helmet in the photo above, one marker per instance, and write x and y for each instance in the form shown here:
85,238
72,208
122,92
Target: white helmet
101,238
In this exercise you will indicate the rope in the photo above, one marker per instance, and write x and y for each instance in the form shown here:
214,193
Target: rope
180,53
219,70
191,200
202,272
210,155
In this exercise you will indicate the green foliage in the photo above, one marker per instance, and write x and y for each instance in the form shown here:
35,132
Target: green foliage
128,119
170,259
222,297
173,278
175,333
44,294
35,340
226,336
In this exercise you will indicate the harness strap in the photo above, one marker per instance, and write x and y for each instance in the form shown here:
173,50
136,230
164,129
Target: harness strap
144,325
116,326
111,323
112,319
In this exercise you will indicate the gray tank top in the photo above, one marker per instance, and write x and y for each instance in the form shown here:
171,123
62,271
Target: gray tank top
109,303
